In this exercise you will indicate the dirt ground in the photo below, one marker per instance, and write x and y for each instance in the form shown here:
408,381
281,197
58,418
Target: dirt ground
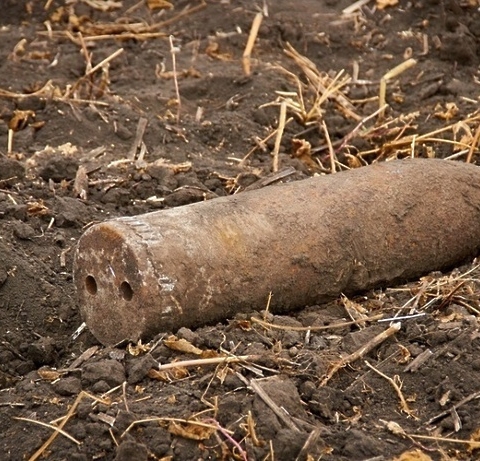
91,129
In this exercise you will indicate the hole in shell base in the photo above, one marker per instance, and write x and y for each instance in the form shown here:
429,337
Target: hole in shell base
91,285
126,291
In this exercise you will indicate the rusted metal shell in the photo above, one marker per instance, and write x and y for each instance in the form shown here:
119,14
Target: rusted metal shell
305,242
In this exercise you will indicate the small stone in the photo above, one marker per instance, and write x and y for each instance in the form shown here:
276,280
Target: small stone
293,351
307,388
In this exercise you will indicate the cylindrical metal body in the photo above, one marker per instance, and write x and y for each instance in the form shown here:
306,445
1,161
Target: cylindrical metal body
305,242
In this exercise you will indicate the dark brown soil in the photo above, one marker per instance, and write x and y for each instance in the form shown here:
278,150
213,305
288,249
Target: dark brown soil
65,121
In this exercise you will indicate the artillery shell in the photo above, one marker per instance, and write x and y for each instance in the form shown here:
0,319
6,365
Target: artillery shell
306,242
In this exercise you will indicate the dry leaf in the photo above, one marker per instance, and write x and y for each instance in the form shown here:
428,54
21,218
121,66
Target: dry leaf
181,345
21,119
394,427
38,55
353,161
159,4
139,389
466,139
180,167
405,354
37,208
191,431
169,375
382,4
158,375
413,455
210,354
138,348
222,373
451,110
302,150
475,439
213,50
353,308
103,5
80,185
244,325
462,130
48,375
58,14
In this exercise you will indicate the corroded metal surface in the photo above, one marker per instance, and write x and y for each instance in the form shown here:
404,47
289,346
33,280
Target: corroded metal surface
306,242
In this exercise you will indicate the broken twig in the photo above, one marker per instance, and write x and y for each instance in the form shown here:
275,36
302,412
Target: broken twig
360,353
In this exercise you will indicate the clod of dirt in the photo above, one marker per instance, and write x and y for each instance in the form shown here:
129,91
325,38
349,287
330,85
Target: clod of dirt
459,47
59,167
164,176
3,276
187,195
119,196
42,352
110,371
67,386
130,450
11,171
123,132
70,212
138,369
359,445
23,231
32,103
8,210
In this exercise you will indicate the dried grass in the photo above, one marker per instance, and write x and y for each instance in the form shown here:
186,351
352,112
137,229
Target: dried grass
389,137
